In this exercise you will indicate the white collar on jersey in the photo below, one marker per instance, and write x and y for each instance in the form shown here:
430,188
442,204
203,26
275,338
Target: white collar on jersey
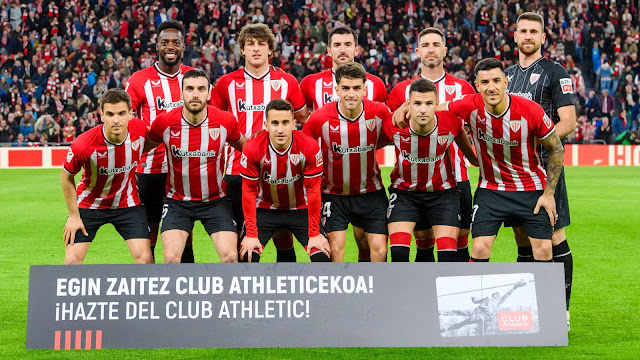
504,112
444,73
164,73
279,152
112,143
341,115
430,132
529,67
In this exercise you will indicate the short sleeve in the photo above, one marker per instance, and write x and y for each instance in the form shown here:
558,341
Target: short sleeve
467,89
462,107
76,158
233,131
220,95
157,129
135,95
541,123
310,128
294,95
561,87
396,98
380,91
306,87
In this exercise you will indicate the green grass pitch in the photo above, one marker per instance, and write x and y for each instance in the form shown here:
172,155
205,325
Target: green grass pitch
605,307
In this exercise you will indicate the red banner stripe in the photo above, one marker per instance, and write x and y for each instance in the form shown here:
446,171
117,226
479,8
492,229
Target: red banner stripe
87,344
78,339
98,339
67,340
56,341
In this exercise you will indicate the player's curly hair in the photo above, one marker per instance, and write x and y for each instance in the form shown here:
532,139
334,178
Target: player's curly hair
114,96
171,24
258,32
351,70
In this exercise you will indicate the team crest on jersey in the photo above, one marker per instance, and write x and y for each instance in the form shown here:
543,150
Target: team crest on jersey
243,161
371,124
443,139
515,125
295,159
450,89
534,78
214,133
329,84
69,155
135,145
155,83
276,84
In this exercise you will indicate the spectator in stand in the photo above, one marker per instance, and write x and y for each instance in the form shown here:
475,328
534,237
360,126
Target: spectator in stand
607,103
592,106
26,128
56,137
69,132
5,132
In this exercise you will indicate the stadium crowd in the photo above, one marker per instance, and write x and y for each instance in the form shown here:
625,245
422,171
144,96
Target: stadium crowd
58,57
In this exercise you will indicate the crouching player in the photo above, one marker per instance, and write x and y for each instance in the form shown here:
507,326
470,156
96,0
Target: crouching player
107,193
195,136
281,175
423,180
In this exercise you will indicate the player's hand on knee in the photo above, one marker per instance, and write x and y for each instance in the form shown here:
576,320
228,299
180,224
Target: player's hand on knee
321,243
248,245
400,116
549,204
74,223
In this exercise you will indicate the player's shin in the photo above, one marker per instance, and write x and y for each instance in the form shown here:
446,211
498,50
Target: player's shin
400,244
562,253
283,241
462,252
446,249
424,249
187,254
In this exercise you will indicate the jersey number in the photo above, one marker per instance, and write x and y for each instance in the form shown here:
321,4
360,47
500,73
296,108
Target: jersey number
326,209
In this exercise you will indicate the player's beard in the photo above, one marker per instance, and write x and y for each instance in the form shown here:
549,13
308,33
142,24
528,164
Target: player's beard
431,63
171,63
194,109
536,47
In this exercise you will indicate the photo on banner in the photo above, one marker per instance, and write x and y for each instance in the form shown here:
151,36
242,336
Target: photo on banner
485,305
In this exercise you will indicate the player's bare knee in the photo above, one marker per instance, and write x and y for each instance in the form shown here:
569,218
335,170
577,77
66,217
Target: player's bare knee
228,256
172,258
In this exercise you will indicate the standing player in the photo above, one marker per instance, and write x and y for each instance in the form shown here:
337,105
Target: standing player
246,93
423,179
319,89
547,83
432,51
155,91
107,193
349,131
195,136
513,184
281,171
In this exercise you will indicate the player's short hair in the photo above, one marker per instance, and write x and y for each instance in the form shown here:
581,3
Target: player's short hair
278,104
171,24
422,86
531,16
343,30
351,70
432,30
114,96
258,32
488,64
195,73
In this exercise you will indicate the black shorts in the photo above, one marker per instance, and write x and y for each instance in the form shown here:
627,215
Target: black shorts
269,221
562,205
234,193
466,208
366,211
130,223
152,189
440,207
492,207
214,215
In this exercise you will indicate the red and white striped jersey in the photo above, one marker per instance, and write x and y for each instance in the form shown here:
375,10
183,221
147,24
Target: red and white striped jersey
506,144
320,89
109,176
153,93
247,97
195,152
424,161
349,147
281,174
449,88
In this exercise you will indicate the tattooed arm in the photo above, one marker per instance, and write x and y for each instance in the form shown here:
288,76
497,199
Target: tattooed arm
554,168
